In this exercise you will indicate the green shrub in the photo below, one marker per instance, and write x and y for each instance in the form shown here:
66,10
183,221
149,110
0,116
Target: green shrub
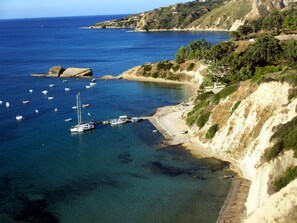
190,67
212,131
202,119
235,106
204,96
260,71
272,152
176,68
200,105
224,93
155,75
147,67
285,136
288,176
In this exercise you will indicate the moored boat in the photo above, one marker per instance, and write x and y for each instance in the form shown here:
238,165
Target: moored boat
81,126
31,90
25,101
7,104
44,92
19,117
50,98
68,119
67,89
121,120
52,85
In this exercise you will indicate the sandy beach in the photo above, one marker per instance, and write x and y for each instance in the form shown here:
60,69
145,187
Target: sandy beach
170,121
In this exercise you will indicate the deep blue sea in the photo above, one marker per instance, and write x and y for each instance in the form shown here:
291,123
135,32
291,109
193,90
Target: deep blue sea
109,175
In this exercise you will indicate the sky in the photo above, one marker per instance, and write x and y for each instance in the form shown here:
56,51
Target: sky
56,8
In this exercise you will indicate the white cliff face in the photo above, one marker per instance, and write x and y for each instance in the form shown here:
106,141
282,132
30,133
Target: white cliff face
245,136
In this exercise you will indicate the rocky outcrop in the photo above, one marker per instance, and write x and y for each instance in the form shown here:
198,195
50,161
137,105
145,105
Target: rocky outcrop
56,71
77,72
59,71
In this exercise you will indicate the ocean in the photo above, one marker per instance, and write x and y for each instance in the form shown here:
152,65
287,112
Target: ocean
111,174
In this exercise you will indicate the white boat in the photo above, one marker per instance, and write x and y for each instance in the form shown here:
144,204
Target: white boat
7,104
65,81
31,91
134,119
19,117
92,84
55,110
44,92
81,126
74,107
121,120
1,102
50,98
36,111
67,89
86,105
88,86
52,85
68,119
25,101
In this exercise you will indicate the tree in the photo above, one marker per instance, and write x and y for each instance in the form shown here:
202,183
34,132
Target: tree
265,51
290,51
181,55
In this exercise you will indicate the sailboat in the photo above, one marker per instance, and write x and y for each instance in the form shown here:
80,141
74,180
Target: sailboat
81,126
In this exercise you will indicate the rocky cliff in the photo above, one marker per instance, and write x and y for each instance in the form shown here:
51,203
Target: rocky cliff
196,15
243,138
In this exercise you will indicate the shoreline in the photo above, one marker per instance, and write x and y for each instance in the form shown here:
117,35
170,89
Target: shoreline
233,209
170,122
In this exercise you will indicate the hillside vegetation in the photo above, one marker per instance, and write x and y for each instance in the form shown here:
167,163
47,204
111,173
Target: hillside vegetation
178,16
198,15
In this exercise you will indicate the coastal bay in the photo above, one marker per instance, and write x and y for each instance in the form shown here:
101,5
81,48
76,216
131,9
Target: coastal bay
100,176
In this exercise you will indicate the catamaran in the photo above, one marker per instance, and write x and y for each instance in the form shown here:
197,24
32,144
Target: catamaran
81,126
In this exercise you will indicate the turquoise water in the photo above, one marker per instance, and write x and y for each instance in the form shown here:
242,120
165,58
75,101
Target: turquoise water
112,174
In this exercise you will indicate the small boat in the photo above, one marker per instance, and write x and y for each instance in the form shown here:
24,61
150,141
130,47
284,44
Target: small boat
1,102
81,126
31,91
121,120
88,86
65,81
93,80
56,110
68,119
74,107
86,105
19,117
52,85
155,130
92,84
67,89
25,101
36,111
44,92
134,119
50,98
7,104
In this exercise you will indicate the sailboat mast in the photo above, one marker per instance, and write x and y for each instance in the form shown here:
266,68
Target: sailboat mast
79,107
